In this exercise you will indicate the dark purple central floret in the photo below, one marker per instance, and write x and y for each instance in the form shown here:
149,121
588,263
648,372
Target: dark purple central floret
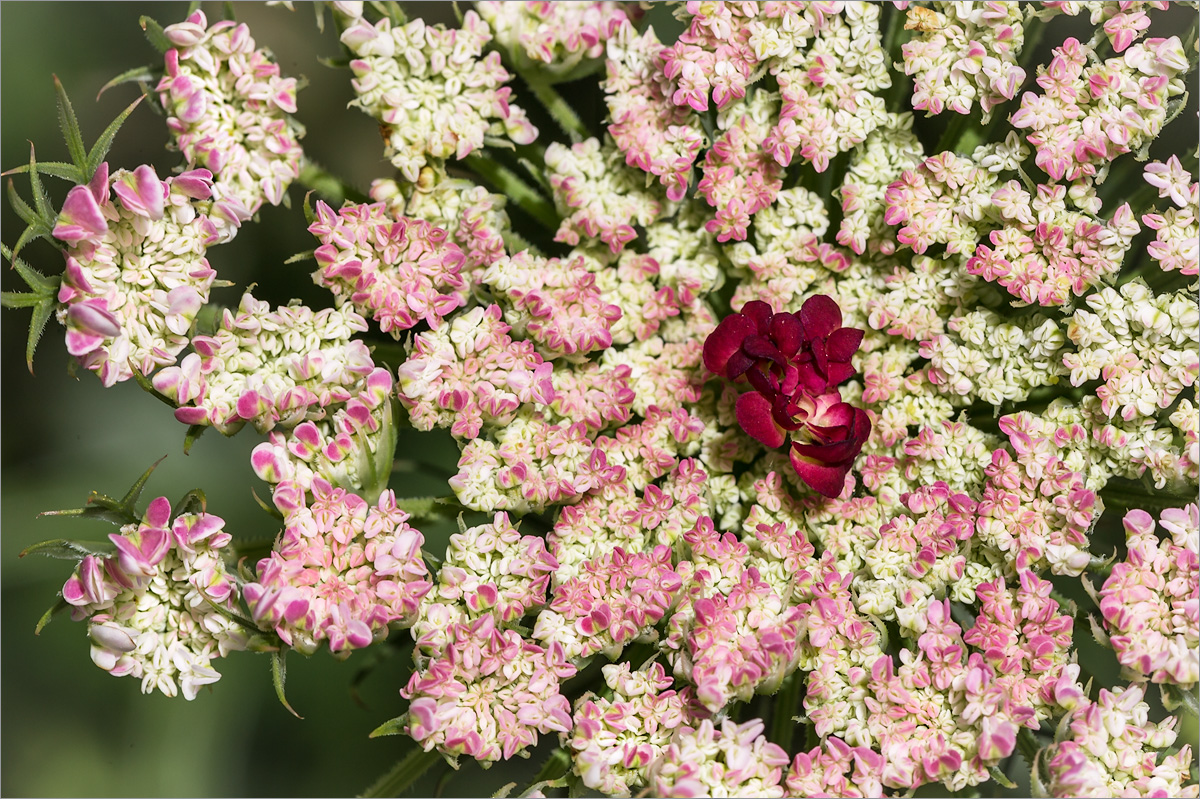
794,364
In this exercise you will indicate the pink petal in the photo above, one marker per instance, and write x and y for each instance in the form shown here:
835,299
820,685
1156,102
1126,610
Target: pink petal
80,217
141,192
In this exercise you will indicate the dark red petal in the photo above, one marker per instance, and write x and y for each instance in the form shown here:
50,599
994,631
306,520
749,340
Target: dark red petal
754,415
738,364
763,381
821,316
760,314
843,343
725,341
781,409
859,430
787,332
835,452
825,479
819,355
762,347
838,373
812,381
841,414
789,381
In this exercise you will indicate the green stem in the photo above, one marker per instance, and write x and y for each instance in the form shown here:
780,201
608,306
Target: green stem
555,766
329,187
403,774
510,185
559,109
1028,744
895,93
954,131
783,726
1129,500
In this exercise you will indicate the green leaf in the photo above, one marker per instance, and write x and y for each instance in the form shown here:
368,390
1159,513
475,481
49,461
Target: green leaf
60,605
45,286
41,199
142,74
100,148
155,34
22,209
402,775
271,509
43,300
135,490
1173,697
508,183
104,507
101,512
37,326
300,257
193,432
226,7
67,549
319,11
55,169
19,299
390,727
428,507
1002,778
309,215
70,125
193,501
278,678
35,231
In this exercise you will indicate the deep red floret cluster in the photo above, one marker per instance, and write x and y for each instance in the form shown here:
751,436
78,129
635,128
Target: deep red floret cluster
794,363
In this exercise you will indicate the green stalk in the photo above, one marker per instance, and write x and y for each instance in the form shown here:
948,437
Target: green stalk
1028,745
1129,500
508,183
559,109
954,131
328,186
895,93
403,774
783,727
558,764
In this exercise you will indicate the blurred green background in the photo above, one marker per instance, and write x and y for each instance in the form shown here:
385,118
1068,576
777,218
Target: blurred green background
69,728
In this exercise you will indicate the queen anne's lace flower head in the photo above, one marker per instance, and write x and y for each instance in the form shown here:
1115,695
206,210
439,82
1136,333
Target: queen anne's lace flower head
229,110
136,274
153,607
556,41
395,270
342,573
269,367
488,693
1151,601
433,89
